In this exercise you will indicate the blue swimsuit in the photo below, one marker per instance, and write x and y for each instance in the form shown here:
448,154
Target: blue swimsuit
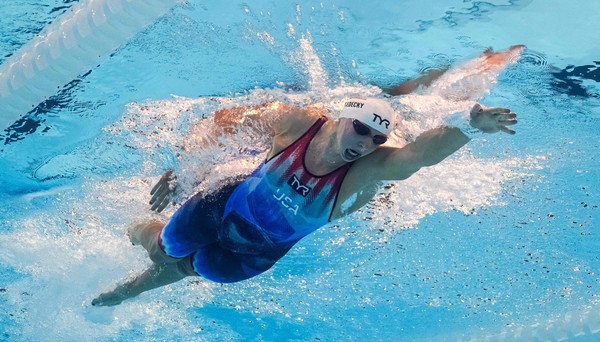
243,229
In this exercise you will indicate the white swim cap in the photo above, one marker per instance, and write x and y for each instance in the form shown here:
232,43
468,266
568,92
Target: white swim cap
375,113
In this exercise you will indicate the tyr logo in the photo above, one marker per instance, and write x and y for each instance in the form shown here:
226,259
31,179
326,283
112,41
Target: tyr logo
382,121
300,188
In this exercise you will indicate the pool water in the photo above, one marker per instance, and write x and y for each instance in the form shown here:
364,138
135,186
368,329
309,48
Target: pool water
500,241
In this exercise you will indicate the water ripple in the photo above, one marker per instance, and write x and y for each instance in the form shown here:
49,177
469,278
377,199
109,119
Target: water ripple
535,59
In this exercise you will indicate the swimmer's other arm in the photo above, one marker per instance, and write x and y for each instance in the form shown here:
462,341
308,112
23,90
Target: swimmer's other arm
270,118
410,86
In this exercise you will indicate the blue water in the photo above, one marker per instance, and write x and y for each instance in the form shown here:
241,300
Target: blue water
501,240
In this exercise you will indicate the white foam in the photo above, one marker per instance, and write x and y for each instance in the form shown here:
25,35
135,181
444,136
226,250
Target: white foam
465,184
76,249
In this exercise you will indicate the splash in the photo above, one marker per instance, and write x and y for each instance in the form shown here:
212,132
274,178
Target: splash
465,184
76,247
317,76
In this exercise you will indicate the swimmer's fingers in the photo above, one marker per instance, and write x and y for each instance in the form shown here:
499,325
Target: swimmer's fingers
161,192
507,130
163,204
498,110
508,122
506,119
163,181
161,198
157,187
492,120
158,199
505,116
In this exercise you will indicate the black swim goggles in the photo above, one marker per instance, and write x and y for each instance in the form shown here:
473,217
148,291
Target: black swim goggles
362,129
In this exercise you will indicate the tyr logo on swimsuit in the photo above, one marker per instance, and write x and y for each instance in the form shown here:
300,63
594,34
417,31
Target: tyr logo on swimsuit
297,185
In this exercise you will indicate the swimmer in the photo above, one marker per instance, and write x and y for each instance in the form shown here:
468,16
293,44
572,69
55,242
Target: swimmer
317,171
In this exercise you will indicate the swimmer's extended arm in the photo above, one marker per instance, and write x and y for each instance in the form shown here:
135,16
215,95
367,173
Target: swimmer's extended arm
435,145
430,148
362,182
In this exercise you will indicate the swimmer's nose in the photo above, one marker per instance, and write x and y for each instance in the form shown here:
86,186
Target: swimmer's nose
362,146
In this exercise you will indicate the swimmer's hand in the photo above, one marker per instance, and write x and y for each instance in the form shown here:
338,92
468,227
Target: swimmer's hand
163,191
492,120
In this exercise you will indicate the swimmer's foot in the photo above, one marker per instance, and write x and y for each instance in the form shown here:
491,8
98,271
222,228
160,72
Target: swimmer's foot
134,232
111,298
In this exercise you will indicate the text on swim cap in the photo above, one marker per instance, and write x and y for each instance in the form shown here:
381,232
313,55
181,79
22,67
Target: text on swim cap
382,121
354,104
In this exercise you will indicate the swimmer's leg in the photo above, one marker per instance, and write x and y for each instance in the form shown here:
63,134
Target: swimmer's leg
164,270
146,234
140,233
155,276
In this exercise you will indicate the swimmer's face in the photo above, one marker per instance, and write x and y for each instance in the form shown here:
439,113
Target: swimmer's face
357,140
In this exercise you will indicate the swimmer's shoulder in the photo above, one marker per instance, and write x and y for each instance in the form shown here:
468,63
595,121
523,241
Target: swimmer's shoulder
293,121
